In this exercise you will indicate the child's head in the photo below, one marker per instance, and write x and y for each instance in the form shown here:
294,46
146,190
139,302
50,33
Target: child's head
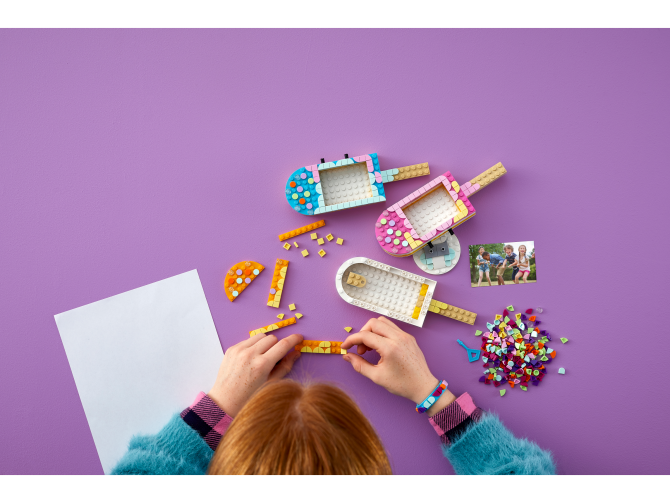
486,255
288,428
522,250
509,249
481,250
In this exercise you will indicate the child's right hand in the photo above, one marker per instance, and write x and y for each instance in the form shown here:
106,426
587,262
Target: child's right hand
402,368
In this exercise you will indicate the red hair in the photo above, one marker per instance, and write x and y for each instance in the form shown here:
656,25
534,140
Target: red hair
292,429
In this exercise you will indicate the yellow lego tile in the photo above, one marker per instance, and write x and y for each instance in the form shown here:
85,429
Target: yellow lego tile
322,252
329,237
298,315
339,241
274,326
320,241
280,316
291,307
286,246
305,253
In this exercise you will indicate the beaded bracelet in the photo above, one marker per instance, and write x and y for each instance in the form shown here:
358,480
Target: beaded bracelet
432,398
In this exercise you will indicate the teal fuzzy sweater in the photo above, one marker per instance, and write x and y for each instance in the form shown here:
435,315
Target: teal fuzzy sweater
474,442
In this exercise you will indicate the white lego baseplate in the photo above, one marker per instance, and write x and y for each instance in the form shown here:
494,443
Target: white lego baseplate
345,184
388,291
431,210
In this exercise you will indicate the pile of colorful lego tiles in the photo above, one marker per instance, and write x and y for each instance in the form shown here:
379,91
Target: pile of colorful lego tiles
515,350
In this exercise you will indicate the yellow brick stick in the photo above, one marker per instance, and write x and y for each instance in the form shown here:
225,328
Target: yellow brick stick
301,230
277,285
274,326
327,347
452,312
411,171
486,178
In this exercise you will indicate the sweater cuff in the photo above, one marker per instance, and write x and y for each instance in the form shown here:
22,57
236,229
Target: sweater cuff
207,419
454,419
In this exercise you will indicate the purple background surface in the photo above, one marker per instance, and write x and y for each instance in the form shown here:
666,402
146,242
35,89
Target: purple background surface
130,156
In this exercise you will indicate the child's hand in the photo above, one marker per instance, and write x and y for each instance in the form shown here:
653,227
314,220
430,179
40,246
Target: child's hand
402,369
248,365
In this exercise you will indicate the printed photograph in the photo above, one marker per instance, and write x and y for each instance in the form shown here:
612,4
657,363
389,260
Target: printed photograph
502,263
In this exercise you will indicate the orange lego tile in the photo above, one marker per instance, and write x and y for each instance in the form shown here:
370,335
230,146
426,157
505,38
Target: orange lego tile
277,286
301,230
239,277
327,347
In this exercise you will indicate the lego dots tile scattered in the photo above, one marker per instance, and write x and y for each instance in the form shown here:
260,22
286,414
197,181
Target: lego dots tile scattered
239,277
313,236
277,285
280,316
330,237
298,315
515,354
301,230
304,253
320,241
324,347
348,329
295,243
340,241
291,307
274,326
286,246
322,252
561,370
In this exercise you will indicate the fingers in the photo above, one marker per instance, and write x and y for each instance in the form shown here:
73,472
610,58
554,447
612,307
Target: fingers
246,343
285,365
372,341
362,349
264,343
361,366
281,348
384,327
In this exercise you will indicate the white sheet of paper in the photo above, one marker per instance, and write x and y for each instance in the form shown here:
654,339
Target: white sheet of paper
139,357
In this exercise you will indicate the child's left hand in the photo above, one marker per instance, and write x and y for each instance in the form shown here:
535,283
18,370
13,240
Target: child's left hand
248,365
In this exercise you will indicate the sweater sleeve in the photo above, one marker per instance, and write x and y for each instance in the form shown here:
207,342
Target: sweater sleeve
477,443
183,447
